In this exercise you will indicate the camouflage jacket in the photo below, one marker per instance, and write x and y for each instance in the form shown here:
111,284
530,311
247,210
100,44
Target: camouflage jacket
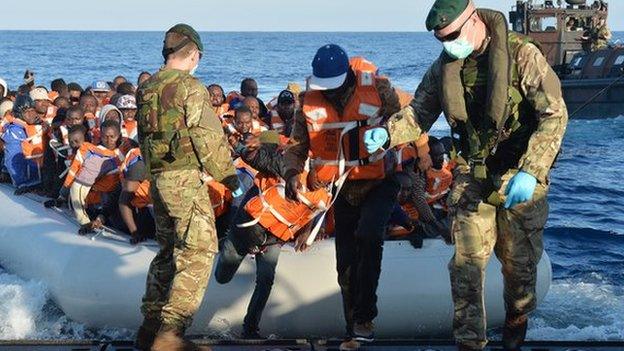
178,128
538,85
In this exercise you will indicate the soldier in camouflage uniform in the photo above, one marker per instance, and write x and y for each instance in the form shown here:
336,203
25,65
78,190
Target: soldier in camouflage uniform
600,35
507,115
181,139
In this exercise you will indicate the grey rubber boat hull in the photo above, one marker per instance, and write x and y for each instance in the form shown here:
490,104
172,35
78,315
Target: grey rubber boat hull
100,282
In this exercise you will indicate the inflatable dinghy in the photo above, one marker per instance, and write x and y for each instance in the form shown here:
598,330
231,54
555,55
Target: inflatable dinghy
99,280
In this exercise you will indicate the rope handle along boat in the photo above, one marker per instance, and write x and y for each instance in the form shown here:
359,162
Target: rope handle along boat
105,232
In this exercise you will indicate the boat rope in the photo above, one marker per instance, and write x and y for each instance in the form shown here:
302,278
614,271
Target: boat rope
590,100
105,232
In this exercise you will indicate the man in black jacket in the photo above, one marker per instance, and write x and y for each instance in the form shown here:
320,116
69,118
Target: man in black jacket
254,239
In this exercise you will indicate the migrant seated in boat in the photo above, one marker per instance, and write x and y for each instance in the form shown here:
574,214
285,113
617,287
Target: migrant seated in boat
23,136
92,183
421,210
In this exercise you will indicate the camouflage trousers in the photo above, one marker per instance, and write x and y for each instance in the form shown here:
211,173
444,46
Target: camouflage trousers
185,231
515,236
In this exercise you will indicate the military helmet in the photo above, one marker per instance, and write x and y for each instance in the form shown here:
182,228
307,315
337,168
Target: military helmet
22,103
444,12
190,34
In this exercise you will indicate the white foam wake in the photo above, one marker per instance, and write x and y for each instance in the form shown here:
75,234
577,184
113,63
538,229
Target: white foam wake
572,310
580,311
21,307
26,312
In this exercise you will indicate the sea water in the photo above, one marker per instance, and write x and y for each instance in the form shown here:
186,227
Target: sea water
585,233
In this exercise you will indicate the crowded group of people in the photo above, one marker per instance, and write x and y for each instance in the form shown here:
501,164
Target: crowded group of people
210,174
80,148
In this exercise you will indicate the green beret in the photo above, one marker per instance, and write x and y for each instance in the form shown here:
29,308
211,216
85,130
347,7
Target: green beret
444,12
188,32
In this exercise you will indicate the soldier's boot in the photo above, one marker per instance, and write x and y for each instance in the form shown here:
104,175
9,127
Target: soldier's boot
146,334
514,331
169,338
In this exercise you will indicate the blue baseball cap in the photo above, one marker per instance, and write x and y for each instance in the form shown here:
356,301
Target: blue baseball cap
329,68
100,85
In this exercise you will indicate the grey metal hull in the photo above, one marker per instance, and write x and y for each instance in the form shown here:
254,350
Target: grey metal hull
609,104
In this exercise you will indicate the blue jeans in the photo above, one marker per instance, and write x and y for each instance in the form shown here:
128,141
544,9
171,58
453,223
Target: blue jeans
234,248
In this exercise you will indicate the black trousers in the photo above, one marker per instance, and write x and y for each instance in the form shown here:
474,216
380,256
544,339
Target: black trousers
359,247
238,243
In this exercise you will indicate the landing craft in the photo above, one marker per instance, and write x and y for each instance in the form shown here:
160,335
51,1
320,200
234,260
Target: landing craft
592,81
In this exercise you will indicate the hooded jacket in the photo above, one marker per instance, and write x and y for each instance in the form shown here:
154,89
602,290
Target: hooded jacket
3,84
108,108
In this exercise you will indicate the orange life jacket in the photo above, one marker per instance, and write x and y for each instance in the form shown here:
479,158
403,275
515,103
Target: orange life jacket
282,217
405,153
277,123
33,147
222,109
50,114
233,95
52,95
129,129
220,197
399,231
404,97
142,196
336,141
104,183
438,184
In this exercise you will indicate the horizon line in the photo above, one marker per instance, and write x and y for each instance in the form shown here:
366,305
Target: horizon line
216,31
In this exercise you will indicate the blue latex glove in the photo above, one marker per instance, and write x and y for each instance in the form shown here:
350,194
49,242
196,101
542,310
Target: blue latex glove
237,193
375,138
520,189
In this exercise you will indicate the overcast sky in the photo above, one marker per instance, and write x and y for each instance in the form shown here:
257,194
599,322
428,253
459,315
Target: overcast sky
238,15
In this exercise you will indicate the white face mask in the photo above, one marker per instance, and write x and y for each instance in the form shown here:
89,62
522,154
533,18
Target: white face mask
459,48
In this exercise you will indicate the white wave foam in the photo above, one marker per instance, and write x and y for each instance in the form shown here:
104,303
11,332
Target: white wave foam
26,312
580,311
21,304
572,310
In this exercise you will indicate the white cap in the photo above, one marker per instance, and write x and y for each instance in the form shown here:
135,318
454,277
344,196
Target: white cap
5,107
126,102
39,93
3,83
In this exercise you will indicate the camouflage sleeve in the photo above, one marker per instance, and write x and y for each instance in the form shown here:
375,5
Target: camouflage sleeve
407,125
298,147
207,135
541,87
